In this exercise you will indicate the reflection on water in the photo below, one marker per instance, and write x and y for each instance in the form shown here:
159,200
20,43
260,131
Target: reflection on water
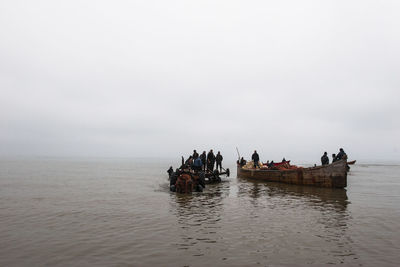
326,207
271,220
199,215
313,196
115,213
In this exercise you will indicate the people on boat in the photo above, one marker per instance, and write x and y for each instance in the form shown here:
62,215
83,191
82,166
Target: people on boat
210,160
203,158
195,154
183,181
242,162
170,171
173,179
334,158
341,154
283,160
255,158
189,162
325,159
218,160
201,182
271,164
197,164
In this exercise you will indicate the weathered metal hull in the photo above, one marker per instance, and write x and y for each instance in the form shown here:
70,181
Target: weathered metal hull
332,175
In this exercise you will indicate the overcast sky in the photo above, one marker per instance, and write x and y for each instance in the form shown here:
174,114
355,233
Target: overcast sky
161,78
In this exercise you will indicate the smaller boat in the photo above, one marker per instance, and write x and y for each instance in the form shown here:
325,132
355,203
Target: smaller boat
186,180
351,162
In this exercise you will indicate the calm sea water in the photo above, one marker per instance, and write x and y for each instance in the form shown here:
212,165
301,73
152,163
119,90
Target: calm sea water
121,213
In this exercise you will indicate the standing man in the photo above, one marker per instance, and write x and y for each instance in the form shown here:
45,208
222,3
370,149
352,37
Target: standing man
195,154
203,158
255,158
341,154
218,159
325,159
210,160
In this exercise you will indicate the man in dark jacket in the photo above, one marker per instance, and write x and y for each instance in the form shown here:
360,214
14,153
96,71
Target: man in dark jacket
203,158
255,158
195,154
210,160
325,159
341,154
170,171
173,179
218,159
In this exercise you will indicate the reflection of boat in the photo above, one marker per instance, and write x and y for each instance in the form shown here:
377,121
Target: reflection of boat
351,162
256,189
332,200
332,175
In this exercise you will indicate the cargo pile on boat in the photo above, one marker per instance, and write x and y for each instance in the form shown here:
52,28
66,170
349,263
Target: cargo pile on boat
274,166
284,166
250,165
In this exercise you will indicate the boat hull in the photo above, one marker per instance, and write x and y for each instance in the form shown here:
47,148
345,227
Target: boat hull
332,175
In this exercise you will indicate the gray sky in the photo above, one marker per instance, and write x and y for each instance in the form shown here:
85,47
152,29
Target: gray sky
161,78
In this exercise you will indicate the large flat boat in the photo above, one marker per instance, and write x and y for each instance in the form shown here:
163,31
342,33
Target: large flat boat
333,175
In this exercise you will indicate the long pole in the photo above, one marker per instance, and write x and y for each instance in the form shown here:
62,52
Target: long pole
238,153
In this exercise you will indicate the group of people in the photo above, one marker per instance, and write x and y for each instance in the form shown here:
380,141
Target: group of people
193,171
204,161
255,157
256,161
339,156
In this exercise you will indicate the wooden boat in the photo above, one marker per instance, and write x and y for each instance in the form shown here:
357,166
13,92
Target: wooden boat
351,162
333,175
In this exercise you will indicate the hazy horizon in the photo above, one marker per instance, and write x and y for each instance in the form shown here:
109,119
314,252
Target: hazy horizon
159,79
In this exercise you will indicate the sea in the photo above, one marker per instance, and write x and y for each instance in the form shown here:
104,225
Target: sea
120,212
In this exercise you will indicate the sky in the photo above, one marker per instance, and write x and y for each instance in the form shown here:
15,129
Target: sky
160,78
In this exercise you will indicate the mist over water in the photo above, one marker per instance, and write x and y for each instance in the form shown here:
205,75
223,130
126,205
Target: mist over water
120,213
